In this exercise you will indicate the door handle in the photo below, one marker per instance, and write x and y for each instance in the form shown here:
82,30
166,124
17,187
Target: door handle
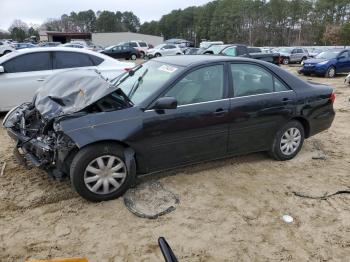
40,79
220,112
286,100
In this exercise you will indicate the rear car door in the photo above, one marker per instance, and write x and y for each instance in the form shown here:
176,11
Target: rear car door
22,77
261,104
197,129
294,55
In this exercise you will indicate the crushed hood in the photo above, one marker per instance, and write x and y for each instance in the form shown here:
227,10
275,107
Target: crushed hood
70,91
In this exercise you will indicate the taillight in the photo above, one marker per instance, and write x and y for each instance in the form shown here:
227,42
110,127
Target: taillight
127,69
332,98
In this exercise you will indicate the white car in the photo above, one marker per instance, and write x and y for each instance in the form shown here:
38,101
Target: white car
5,48
23,71
164,50
347,80
141,46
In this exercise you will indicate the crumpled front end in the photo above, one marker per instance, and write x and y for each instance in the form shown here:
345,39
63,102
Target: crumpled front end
37,141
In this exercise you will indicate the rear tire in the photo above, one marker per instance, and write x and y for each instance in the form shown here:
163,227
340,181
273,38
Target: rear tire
330,72
6,52
133,57
95,166
288,141
142,55
157,55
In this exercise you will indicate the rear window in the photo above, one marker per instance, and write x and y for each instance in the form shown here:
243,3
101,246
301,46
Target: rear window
96,60
71,60
39,61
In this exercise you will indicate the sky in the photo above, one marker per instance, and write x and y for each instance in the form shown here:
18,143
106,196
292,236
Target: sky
37,11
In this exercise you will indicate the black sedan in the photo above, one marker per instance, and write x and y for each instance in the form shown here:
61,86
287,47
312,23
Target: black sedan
119,51
165,113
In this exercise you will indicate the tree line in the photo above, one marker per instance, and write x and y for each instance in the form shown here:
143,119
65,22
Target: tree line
254,22
259,22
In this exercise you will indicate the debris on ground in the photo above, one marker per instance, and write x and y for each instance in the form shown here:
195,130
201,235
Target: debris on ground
3,169
288,219
320,156
323,197
150,200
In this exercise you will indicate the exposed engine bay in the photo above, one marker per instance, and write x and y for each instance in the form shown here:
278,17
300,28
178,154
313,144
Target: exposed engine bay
36,126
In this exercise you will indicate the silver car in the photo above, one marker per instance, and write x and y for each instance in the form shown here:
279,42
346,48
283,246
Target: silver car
293,55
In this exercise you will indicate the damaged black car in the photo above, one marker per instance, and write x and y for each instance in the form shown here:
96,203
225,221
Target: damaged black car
165,113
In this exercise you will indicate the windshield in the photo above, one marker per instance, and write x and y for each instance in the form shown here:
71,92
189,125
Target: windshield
109,47
328,55
159,46
285,50
216,49
145,80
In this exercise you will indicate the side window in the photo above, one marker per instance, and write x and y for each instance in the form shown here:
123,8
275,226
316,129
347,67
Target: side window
202,85
96,60
279,86
231,51
30,62
142,44
133,44
342,57
241,50
1,43
254,80
71,60
250,80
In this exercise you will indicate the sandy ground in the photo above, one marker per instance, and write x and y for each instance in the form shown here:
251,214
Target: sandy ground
229,210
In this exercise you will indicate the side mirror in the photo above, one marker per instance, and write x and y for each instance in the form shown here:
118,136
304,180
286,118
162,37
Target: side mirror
165,103
2,69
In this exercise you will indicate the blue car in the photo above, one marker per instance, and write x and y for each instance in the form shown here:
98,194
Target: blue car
328,63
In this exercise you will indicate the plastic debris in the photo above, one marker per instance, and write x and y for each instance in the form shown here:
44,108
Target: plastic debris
288,219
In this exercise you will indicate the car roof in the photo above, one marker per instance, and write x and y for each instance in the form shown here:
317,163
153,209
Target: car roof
53,49
192,60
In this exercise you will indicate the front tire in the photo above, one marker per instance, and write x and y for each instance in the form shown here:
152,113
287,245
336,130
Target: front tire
330,72
285,61
157,55
288,141
99,172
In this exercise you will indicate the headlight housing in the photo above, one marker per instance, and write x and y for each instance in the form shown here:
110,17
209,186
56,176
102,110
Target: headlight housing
323,63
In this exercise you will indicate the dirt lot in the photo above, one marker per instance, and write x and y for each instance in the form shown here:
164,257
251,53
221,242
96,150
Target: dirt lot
229,210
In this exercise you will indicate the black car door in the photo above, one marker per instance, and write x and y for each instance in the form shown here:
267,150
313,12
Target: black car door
197,129
262,103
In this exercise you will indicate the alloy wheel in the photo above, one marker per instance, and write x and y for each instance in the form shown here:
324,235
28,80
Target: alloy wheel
105,174
290,141
331,72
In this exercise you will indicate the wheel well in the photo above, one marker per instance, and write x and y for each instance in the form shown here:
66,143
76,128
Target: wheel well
70,156
305,124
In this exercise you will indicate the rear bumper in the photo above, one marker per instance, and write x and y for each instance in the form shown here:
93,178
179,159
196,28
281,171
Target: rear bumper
322,122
